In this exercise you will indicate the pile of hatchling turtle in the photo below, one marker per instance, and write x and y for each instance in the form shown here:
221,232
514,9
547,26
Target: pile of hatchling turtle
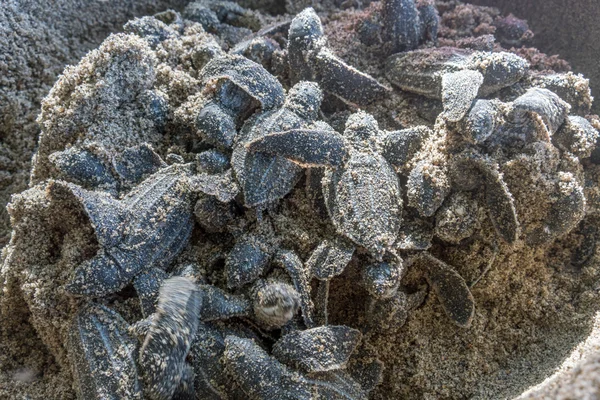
204,178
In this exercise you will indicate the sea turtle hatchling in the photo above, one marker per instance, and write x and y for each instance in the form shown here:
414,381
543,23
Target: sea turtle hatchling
360,187
103,354
236,87
227,20
266,177
145,229
454,76
90,166
402,24
311,60
168,335
298,368
279,280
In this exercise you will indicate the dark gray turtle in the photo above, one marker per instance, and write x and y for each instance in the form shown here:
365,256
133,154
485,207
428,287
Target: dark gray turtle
250,256
457,218
274,302
265,177
102,353
168,335
382,279
363,198
225,19
416,154
392,312
277,298
147,228
389,304
263,377
499,200
217,304
565,212
147,286
310,59
212,161
276,280
236,87
360,187
320,349
85,167
265,48
577,136
455,76
399,147
405,24
92,167
136,163
415,233
455,157
512,31
300,278
220,185
481,121
214,215
214,210
211,381
570,87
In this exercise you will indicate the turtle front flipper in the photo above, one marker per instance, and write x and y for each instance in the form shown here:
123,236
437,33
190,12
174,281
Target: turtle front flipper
98,276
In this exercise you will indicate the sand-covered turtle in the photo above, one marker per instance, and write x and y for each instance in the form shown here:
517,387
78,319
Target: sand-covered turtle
360,187
236,87
266,177
311,60
454,76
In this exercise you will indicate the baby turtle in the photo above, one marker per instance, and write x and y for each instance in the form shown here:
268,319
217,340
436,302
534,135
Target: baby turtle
565,212
389,304
277,299
263,377
327,261
238,87
392,312
455,76
168,335
274,303
547,105
225,19
500,202
280,280
267,177
360,187
212,381
151,29
404,24
92,167
311,60
325,348
102,353
149,227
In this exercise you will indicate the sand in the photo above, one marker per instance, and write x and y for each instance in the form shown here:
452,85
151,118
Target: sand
534,312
